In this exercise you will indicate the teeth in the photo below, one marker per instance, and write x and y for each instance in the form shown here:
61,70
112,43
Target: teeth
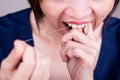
81,26
76,26
69,25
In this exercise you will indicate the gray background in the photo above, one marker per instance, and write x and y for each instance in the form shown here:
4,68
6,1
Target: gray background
9,6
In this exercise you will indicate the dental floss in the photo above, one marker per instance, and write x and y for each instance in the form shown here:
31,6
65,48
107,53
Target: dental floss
28,40
48,34
56,30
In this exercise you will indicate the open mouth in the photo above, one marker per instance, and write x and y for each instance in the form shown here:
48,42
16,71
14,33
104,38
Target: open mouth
67,25
71,26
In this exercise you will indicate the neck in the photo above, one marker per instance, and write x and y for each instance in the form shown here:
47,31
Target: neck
46,32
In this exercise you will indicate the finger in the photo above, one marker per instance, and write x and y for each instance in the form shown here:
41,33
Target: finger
27,65
85,30
90,33
69,53
75,35
9,64
67,50
63,53
72,44
78,37
42,69
72,64
88,49
73,52
84,57
15,56
79,53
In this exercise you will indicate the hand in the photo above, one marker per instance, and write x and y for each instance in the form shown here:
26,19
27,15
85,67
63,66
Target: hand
24,63
80,51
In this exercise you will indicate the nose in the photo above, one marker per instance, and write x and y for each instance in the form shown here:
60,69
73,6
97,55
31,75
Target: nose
78,9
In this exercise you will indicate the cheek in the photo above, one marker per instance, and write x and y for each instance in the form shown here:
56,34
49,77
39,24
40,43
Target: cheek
102,11
51,11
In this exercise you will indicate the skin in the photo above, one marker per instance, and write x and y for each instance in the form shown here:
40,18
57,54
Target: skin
80,46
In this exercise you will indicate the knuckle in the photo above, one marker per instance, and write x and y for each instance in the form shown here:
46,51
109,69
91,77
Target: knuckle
31,63
69,44
75,33
4,64
76,50
62,52
69,53
3,61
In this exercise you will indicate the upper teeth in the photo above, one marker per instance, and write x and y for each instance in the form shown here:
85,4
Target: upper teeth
76,26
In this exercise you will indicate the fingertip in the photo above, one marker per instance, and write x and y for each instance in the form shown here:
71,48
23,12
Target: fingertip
18,46
63,39
66,37
90,33
85,30
17,41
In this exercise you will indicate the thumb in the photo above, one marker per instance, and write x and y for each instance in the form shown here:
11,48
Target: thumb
19,47
90,33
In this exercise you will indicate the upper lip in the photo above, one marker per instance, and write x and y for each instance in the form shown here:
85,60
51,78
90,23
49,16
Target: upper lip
77,23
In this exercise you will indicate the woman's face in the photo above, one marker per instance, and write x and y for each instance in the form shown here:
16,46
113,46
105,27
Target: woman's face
75,12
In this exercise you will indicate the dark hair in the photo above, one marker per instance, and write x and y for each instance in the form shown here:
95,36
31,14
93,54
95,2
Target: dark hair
39,14
37,10
110,14
114,8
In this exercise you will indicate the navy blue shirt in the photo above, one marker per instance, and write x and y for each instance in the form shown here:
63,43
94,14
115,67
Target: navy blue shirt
17,26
